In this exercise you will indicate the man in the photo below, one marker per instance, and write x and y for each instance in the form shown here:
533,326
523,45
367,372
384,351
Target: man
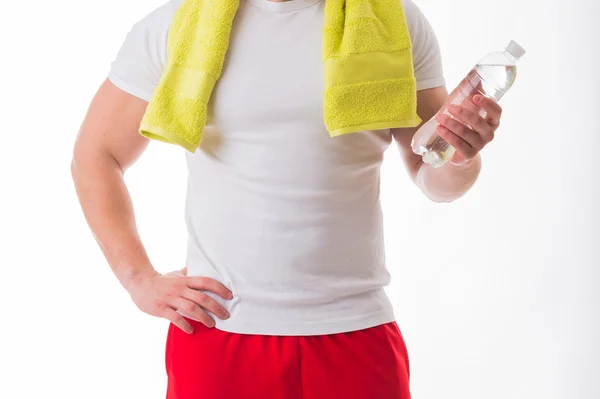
285,250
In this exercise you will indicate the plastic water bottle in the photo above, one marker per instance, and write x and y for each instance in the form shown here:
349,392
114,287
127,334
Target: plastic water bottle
491,77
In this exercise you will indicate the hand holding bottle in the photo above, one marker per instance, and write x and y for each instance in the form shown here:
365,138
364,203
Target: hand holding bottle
470,117
469,129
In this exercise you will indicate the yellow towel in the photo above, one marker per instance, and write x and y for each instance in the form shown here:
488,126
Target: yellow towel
368,66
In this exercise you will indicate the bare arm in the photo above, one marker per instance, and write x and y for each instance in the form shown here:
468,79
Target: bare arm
449,182
108,143
106,146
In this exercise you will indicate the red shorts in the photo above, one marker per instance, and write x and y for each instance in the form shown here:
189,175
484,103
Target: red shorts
213,364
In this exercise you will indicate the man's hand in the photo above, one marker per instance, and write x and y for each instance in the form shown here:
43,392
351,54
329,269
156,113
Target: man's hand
450,182
162,295
469,132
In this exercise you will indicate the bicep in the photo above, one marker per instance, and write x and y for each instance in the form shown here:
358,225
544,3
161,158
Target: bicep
111,125
110,129
429,102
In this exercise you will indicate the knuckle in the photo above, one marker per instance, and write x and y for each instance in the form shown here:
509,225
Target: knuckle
452,140
475,119
204,281
168,316
461,144
201,297
188,307
208,321
181,323
173,290
222,312
463,149
158,304
181,281
173,318
201,282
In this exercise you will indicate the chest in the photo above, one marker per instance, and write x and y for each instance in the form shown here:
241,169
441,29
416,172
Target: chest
273,75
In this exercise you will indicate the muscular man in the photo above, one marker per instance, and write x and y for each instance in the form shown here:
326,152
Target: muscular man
283,292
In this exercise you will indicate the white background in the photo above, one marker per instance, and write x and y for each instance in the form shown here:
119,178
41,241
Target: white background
497,294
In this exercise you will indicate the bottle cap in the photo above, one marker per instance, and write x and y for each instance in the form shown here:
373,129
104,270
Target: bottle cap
515,49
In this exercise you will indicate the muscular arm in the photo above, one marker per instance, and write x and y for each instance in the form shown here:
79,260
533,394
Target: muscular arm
108,144
444,184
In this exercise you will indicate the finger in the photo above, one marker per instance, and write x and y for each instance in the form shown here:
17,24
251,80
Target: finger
470,118
469,104
458,143
178,320
193,311
472,138
183,271
493,109
206,302
459,160
209,284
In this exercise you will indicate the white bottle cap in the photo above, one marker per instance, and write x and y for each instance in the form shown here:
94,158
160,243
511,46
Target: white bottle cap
515,49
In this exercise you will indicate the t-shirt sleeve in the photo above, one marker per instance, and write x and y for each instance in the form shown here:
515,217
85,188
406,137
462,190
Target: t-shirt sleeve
142,57
427,57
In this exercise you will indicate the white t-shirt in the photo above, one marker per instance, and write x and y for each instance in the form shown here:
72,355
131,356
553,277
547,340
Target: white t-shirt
285,216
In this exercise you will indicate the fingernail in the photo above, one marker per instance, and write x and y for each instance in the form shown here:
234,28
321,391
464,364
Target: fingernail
224,315
230,296
478,99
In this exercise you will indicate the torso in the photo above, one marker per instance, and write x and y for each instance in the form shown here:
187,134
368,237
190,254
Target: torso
285,216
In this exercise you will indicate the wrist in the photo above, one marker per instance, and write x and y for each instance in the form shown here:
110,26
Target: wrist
136,276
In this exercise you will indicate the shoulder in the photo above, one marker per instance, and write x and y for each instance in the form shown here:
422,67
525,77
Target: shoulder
425,47
142,57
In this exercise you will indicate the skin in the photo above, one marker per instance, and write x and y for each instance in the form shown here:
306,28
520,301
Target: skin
108,143
455,178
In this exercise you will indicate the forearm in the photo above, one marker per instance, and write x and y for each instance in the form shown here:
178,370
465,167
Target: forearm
108,209
449,182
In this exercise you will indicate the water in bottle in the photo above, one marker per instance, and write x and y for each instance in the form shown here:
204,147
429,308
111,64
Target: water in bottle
491,77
